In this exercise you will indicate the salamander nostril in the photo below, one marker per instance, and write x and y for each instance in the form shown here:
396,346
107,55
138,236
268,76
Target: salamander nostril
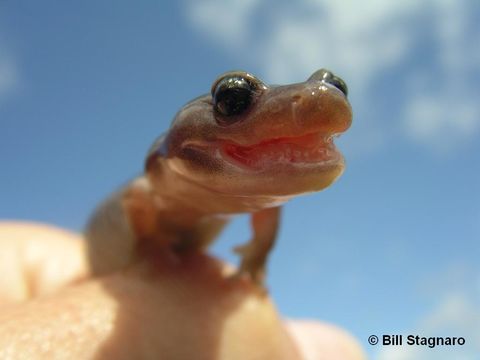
327,76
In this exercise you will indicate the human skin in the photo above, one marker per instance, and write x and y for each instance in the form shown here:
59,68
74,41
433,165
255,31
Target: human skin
52,308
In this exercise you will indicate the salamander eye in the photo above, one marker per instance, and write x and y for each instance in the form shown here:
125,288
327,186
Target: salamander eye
232,95
330,78
339,84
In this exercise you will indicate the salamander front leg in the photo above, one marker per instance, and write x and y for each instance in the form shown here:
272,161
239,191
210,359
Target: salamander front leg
254,254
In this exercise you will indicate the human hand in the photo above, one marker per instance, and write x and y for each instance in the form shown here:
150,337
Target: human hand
51,307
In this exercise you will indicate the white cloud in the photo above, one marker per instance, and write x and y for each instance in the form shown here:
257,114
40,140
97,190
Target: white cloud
443,119
457,315
448,113
365,42
230,18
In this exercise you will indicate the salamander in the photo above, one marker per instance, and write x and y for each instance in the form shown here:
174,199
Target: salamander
246,147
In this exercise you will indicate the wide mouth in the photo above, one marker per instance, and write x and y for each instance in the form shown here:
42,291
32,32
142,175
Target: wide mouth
315,149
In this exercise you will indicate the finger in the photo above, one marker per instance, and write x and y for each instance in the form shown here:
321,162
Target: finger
38,259
187,310
323,341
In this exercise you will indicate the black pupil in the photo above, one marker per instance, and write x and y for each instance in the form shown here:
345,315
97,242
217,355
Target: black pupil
331,79
232,96
339,84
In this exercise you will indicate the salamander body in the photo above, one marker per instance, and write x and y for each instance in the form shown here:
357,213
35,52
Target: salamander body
245,147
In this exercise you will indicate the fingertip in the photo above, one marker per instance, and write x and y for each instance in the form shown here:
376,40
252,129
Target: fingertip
38,259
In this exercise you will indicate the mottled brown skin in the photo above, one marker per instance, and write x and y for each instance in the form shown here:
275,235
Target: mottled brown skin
208,167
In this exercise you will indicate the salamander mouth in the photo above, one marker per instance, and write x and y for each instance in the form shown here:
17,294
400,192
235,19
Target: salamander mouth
310,150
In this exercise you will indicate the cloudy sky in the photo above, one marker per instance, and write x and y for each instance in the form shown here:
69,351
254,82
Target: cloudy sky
391,248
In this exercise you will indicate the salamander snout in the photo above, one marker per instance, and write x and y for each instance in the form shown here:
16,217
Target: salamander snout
328,77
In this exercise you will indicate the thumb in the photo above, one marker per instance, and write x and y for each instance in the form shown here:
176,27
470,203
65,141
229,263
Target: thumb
190,309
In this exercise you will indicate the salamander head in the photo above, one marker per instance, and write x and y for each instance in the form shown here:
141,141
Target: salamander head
250,139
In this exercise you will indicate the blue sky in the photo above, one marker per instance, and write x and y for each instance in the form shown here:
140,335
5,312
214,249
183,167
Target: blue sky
392,247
